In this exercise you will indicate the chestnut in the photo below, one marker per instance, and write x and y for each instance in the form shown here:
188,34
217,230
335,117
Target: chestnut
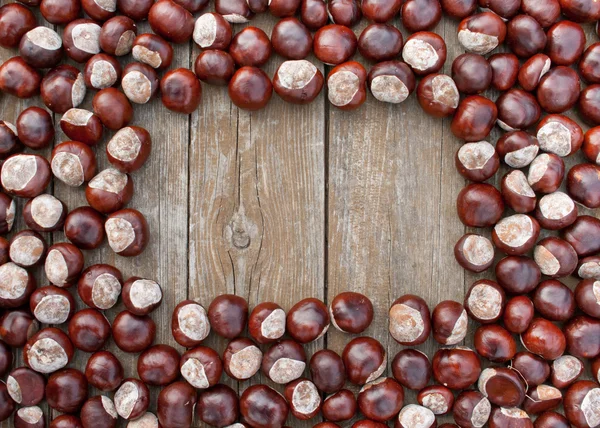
555,257
579,404
590,147
517,110
139,82
583,235
477,161
556,211
449,320
472,73
565,371
284,362
82,125
307,320
474,253
81,39
234,11
458,9
588,104
25,386
381,399
212,31
133,333
127,232
44,213
6,358
27,248
303,398
132,398
17,327
544,338
15,21
60,12
129,148
176,404
533,368
380,42
66,421
104,371
35,128
586,296
64,263
88,330
313,13
346,84
524,36
141,296
218,406
109,191
73,163
474,118
411,368
551,419
290,38
261,406
516,234
365,360
580,11
502,386
424,52
558,90
180,90
4,244
484,301
251,47
589,267
99,410
517,193
9,139
471,409
340,406
518,314
117,35
201,367
147,420
19,78
113,108
505,69
327,371
589,63
532,71
99,10
298,82
545,12
380,11
189,323
29,417
66,390
158,365
41,47
436,398
171,21
7,215
84,227
343,12
495,343
409,320
99,286
509,416
456,368
266,322
7,406
583,184
152,50
413,413
554,300
228,315
52,305
581,335
16,285
420,15
438,95
566,41
479,205
481,33
559,135
334,44
351,312
391,81
546,173
216,67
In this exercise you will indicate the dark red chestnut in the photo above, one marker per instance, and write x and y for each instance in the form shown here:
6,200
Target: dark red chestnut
266,322
139,82
449,320
346,84
518,314
15,21
411,368
503,386
555,257
351,312
298,82
113,108
66,390
27,248
234,11
25,387
158,365
559,135
9,139
556,211
228,315
41,47
580,11
16,327
131,399
474,252
117,35
290,39
284,362
171,21
495,343
250,47
591,145
437,95
88,330
212,31
109,191
472,73
180,90
104,371
517,193
525,36
7,215
133,333
201,367
420,15
82,125
52,305
218,406
35,127
477,161
485,301
533,368
250,88
84,227
436,398
580,404
517,110
152,50
6,358
566,41
565,371
334,44
284,8
458,9
365,360
81,39
381,399
587,295
474,118
583,184
583,235
546,173
554,300
551,420
509,416
481,33
533,70
479,205
344,12
545,12
16,285
558,90
60,12
64,263
589,267
589,104
66,421
582,338
424,52
99,410
544,338
340,406
176,404
99,286
516,234
588,66
409,320
505,69
313,13
517,148
29,417
307,320
127,232
141,296
380,11
44,213
189,323
215,67
19,78
391,81
471,409
380,42
304,398
129,148
327,371
261,406
99,10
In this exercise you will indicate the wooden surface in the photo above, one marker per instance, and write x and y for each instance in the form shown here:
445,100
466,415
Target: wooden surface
290,202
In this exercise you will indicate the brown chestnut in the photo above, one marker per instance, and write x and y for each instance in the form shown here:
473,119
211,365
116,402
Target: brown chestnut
505,69
176,405
81,39
566,41
580,404
474,118
19,78
583,184
525,36
9,139
533,369
558,90
189,323
471,409
479,205
546,12
141,296
351,312
495,343
290,39
380,42
438,95
340,406
481,33
559,135
52,305
502,386
228,315
583,235
41,47
327,371
304,398
158,365
533,70
117,35
517,148
127,232
334,44
27,248
344,12
381,399
44,213
139,82
517,110
409,320
215,67
365,360
474,252
104,371
73,163
66,390
84,227
266,322
234,11
99,286
66,421
411,368
284,362
201,367
518,314
544,338
346,84
449,320
113,108
546,173
509,416
556,211
133,333
589,267
517,193
313,13
60,12
589,104
261,406
99,410
152,50
485,301
391,81
6,358
218,406
129,148
15,21
109,191
582,337
17,326
171,21
307,320
88,330
16,285
477,161
35,127
420,15
555,257
212,31
132,399
554,300
472,74
436,398
63,265
516,234
7,215
424,52
565,371
180,90
380,11
298,82
82,125
25,387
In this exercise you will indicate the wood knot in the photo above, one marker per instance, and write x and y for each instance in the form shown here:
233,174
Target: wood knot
240,230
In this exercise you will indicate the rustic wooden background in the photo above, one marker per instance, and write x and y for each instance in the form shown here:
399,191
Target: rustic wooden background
289,202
